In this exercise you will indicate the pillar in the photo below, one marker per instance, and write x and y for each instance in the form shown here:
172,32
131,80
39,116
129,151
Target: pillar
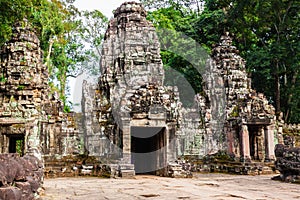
245,146
230,139
5,144
126,141
168,143
269,142
1,143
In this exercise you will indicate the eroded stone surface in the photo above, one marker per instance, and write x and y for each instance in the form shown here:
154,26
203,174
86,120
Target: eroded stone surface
20,177
203,186
288,163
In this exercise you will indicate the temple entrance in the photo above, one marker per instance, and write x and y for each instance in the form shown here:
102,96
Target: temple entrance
256,142
16,144
147,152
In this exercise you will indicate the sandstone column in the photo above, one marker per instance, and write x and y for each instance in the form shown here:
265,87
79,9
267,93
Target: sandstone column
269,139
230,139
245,146
126,140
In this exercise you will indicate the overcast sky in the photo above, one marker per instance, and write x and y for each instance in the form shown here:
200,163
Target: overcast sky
105,6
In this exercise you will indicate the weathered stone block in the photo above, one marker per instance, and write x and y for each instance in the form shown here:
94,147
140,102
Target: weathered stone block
288,162
11,193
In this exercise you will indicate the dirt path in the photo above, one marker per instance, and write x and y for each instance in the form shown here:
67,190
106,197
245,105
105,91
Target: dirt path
202,186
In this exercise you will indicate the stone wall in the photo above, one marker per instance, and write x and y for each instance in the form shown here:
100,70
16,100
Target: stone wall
191,137
20,177
97,140
79,165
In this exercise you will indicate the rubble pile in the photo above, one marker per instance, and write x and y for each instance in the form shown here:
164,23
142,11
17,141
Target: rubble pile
21,178
288,163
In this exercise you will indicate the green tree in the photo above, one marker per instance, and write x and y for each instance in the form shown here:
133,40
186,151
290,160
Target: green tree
56,25
12,11
182,57
273,40
265,32
92,30
190,5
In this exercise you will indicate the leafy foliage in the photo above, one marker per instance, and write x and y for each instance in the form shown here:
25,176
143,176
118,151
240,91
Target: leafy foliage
266,33
92,29
12,11
181,54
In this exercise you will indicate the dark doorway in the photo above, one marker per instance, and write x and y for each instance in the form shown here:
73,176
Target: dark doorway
16,144
256,142
147,152
253,142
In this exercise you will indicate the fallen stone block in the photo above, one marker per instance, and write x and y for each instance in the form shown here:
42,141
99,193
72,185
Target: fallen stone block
10,193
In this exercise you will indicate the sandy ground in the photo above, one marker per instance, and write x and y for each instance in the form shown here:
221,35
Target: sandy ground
201,186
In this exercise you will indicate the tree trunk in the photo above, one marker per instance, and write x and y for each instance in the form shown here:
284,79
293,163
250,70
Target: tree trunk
51,41
277,88
293,83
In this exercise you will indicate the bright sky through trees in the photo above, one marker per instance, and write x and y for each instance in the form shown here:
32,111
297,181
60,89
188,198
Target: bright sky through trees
105,6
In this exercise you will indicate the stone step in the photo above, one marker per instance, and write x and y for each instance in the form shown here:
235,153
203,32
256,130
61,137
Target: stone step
127,173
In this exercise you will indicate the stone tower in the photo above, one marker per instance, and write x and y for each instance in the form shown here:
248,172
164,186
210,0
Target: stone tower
233,118
31,117
246,119
135,112
24,89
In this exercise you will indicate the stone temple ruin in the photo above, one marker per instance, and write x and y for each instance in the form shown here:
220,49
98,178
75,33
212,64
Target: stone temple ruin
135,110
137,120
131,122
249,124
31,119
